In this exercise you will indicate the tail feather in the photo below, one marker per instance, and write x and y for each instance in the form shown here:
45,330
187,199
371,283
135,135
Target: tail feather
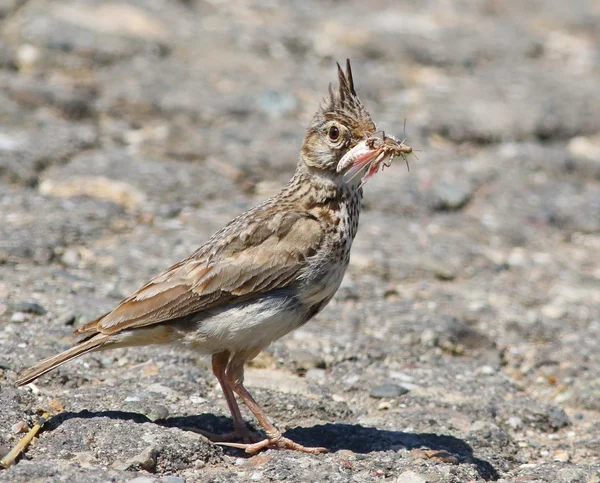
47,365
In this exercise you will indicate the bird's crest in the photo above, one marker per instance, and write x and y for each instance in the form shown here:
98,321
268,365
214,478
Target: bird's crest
344,98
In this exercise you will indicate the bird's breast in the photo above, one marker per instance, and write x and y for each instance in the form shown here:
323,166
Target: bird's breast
326,270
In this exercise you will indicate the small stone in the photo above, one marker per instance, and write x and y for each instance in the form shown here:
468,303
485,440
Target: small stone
146,460
384,406
157,412
401,376
18,317
439,455
486,370
553,311
387,391
27,56
29,308
443,271
410,477
56,405
585,147
429,338
20,427
514,422
316,375
67,319
481,427
70,257
143,479
306,360
85,460
575,475
451,196
172,479
561,455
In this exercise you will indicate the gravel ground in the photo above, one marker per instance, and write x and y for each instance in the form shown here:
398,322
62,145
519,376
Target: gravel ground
463,344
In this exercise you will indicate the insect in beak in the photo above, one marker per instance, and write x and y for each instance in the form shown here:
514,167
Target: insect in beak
372,153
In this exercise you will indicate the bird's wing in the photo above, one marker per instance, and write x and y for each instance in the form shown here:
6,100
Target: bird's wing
260,256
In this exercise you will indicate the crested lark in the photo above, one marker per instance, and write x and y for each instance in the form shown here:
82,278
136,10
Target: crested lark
265,273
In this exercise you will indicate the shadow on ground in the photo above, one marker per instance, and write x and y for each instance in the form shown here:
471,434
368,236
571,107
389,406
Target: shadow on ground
335,437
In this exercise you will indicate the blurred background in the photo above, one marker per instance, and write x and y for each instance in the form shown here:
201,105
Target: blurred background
131,130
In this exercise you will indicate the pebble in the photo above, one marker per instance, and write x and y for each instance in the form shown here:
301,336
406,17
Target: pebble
156,412
85,460
585,147
481,427
27,56
316,375
401,376
70,257
562,456
429,338
20,427
410,477
172,479
29,308
67,319
18,317
574,475
514,422
143,479
145,460
387,391
451,196
486,370
384,406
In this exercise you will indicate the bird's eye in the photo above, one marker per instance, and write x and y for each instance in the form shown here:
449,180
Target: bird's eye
334,133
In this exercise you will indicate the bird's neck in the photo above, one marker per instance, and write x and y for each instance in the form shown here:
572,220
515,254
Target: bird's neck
318,187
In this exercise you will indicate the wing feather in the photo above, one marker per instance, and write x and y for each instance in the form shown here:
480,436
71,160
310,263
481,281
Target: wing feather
270,256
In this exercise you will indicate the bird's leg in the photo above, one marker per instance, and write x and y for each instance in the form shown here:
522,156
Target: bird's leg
240,430
235,377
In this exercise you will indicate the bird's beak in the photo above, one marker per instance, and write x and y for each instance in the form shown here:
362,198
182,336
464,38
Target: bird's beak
371,152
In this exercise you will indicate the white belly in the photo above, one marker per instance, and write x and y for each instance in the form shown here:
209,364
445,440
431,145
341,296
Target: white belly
242,327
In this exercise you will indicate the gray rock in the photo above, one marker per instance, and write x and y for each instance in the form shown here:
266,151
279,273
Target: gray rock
146,460
28,308
451,196
388,391
143,479
172,479
156,412
411,477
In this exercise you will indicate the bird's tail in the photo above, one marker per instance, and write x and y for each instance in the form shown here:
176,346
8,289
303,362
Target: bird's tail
92,343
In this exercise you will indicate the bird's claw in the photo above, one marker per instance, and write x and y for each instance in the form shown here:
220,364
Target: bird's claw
277,442
246,436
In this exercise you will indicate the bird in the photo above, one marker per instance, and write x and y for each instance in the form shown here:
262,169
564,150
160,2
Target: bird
267,272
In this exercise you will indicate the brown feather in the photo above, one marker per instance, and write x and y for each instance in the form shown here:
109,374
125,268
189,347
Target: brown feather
349,77
272,252
41,368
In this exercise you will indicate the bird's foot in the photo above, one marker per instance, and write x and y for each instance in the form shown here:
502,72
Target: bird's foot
239,434
276,441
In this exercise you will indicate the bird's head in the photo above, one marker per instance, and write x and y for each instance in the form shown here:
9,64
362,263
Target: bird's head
340,124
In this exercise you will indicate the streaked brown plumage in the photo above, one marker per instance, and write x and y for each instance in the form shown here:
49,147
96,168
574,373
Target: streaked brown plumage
264,274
